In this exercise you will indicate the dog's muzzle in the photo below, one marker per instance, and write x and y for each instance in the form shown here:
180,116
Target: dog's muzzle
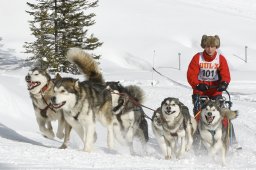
209,117
56,105
169,111
59,105
31,85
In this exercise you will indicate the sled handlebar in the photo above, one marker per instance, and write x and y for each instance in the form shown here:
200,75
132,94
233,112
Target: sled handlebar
229,102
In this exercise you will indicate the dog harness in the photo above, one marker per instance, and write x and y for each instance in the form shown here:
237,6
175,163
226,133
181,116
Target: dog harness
213,132
44,110
167,128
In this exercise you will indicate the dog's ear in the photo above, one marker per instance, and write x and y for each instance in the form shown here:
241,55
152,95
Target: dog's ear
204,102
163,102
58,77
218,102
177,100
76,84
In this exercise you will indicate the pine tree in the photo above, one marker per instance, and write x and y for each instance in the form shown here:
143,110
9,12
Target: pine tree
57,26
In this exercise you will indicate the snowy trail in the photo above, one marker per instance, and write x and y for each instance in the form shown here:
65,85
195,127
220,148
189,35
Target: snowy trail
131,31
26,148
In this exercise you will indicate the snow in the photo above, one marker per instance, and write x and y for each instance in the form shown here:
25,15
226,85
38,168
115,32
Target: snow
135,33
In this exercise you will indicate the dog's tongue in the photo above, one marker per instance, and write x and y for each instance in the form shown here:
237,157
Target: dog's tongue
210,119
31,84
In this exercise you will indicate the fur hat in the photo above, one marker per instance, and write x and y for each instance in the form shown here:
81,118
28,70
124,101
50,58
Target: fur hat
210,41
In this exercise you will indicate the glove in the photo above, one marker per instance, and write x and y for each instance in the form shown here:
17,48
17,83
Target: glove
202,87
222,86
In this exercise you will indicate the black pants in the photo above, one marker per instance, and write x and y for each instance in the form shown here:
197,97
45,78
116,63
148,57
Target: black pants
197,103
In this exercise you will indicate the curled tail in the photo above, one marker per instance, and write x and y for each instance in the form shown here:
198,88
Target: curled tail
86,64
136,92
230,114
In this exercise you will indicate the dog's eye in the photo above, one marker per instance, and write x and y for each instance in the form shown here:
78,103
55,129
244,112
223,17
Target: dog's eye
62,91
173,104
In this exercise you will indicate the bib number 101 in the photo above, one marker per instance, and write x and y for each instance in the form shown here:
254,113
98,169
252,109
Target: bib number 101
208,73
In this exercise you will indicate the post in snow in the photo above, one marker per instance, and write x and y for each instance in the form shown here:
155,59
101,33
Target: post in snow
179,60
153,65
246,47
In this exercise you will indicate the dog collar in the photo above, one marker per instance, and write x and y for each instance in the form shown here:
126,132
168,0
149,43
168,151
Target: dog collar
45,88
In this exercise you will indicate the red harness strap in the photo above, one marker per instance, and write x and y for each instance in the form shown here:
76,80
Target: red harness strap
225,122
44,88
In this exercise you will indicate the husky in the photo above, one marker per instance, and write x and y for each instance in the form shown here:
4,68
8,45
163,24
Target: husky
213,135
40,87
172,123
129,118
84,102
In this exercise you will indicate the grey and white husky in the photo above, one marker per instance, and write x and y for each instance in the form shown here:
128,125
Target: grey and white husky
213,135
84,102
129,118
172,123
40,87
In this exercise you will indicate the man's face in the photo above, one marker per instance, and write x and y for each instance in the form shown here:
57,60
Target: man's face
210,50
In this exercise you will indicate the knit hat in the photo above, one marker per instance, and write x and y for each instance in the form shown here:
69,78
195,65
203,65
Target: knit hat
210,41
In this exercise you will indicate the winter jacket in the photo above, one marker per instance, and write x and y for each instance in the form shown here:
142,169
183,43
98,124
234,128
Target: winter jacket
207,68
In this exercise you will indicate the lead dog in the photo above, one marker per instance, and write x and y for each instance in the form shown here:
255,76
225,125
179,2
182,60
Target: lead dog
84,102
129,118
40,87
214,136
170,123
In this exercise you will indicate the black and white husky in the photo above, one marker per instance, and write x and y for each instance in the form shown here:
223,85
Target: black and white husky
84,102
172,123
129,118
213,135
40,87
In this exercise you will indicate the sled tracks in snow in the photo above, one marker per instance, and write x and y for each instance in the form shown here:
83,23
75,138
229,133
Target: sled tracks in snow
171,80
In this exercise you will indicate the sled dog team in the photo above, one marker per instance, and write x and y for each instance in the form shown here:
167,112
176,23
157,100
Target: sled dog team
79,105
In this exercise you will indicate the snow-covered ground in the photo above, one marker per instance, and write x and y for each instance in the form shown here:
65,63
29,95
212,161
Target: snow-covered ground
134,34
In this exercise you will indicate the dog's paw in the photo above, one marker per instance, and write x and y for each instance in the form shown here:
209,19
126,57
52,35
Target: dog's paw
167,157
87,149
63,146
179,154
224,163
188,147
60,135
48,134
212,152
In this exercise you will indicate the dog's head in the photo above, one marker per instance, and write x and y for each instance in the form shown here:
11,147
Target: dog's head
115,88
211,112
170,108
66,93
37,79
114,85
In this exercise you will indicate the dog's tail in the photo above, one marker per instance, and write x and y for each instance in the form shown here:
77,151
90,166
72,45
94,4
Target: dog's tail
230,114
86,64
135,92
